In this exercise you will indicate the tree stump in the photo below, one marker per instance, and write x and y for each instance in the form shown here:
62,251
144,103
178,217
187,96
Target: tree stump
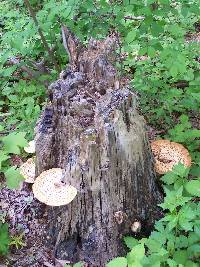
91,129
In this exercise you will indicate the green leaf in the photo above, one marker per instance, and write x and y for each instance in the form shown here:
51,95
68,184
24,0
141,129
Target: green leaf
151,51
194,250
13,98
79,264
180,170
173,71
136,255
4,238
1,128
131,36
13,178
3,157
190,263
181,241
14,141
164,2
171,263
117,262
153,245
130,241
180,256
194,237
172,220
193,187
169,178
174,199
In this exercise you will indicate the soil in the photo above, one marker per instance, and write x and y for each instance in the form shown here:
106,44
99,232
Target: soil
25,215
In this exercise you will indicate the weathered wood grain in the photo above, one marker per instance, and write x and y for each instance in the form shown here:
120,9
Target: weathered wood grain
91,129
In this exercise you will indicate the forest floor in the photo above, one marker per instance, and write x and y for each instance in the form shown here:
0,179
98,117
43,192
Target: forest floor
25,214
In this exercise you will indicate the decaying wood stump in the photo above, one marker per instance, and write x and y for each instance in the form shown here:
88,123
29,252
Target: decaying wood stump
92,130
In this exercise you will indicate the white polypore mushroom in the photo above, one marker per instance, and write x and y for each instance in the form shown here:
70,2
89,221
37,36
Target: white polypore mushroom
136,227
51,190
27,170
30,148
168,154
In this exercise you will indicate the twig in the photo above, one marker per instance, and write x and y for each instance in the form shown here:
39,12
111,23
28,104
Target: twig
40,66
15,61
51,55
64,38
134,18
31,73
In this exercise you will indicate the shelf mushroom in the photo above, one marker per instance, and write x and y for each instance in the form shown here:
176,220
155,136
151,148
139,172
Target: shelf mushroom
49,188
27,170
30,148
167,154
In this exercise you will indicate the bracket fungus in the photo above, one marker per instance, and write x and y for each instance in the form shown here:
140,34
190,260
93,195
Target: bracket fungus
49,188
30,148
27,170
167,154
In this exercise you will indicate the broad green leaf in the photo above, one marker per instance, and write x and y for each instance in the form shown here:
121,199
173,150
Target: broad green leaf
14,141
174,71
171,263
180,170
194,237
172,220
13,98
136,255
131,36
194,250
153,245
181,241
169,178
3,157
13,178
193,187
180,256
151,51
174,199
117,262
130,241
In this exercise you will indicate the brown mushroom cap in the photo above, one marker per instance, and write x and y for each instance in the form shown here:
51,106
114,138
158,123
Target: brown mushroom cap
27,170
49,188
167,154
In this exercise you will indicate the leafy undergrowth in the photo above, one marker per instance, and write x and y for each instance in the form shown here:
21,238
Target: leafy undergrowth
176,238
163,35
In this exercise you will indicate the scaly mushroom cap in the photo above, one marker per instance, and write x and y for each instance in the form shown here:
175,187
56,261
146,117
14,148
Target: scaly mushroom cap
27,170
31,148
49,188
168,154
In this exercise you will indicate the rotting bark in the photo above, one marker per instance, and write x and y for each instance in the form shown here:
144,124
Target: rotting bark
92,130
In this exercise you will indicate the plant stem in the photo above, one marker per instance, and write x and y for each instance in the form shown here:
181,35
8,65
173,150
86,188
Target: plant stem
51,55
